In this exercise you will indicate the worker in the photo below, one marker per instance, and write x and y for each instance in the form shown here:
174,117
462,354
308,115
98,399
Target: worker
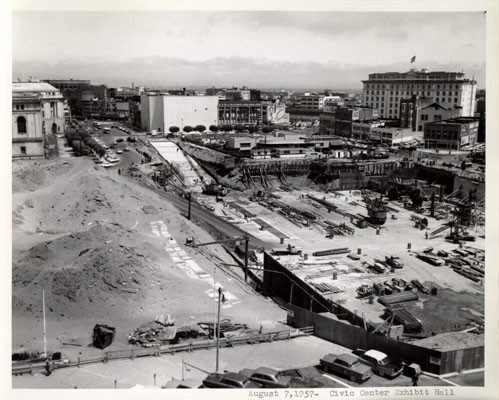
48,371
426,235
415,379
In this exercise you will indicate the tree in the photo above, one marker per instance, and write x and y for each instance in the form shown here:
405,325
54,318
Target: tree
174,129
252,128
213,128
226,128
200,128
188,128
239,128
267,129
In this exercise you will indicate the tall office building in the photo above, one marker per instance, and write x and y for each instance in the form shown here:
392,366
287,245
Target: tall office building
385,91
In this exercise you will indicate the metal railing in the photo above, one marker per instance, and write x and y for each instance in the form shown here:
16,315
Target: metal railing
166,349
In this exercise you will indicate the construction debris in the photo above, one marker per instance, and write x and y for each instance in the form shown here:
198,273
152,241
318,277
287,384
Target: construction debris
164,319
152,334
103,336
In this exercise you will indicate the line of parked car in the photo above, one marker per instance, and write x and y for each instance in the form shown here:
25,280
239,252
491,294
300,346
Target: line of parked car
357,367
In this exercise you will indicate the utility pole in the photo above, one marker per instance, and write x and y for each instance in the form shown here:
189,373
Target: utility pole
246,241
218,326
189,206
44,327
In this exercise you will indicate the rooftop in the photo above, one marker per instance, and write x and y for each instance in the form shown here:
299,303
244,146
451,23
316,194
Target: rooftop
33,87
452,341
459,120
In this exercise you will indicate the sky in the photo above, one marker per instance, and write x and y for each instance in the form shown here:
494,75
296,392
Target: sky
257,49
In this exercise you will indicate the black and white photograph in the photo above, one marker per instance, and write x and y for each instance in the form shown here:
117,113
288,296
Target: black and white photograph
286,200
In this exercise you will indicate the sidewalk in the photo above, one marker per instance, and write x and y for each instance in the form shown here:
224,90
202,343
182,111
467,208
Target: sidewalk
305,351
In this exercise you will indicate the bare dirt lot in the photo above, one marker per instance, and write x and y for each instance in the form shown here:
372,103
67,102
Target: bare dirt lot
96,242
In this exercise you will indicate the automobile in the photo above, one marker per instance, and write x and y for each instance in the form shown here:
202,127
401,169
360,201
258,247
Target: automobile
119,140
230,380
380,363
267,377
126,149
107,130
182,384
119,152
347,365
131,139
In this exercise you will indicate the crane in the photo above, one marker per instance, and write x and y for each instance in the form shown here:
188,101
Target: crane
376,209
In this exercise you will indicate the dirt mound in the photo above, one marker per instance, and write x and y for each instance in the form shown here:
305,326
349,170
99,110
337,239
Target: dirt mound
89,272
32,175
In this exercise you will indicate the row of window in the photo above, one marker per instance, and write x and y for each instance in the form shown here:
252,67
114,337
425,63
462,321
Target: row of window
407,92
425,117
436,134
372,98
410,86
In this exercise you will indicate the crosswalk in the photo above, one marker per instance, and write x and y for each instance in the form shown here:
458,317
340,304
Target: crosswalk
189,266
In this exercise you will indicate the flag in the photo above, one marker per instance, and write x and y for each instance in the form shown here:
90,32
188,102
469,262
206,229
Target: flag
413,59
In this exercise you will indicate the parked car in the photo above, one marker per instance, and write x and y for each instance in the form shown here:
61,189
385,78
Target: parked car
267,377
346,365
380,363
185,384
119,140
230,380
126,149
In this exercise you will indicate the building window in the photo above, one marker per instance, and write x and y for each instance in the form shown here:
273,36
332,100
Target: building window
23,150
455,100
21,125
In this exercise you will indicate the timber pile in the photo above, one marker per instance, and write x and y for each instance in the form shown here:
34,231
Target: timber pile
326,288
398,298
468,262
341,250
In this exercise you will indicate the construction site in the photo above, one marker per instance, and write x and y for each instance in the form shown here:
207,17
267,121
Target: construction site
384,255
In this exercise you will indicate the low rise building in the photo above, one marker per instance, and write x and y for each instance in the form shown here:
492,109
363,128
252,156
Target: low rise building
27,135
326,123
161,112
52,104
72,90
345,116
315,101
389,135
362,130
451,134
417,111
242,112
